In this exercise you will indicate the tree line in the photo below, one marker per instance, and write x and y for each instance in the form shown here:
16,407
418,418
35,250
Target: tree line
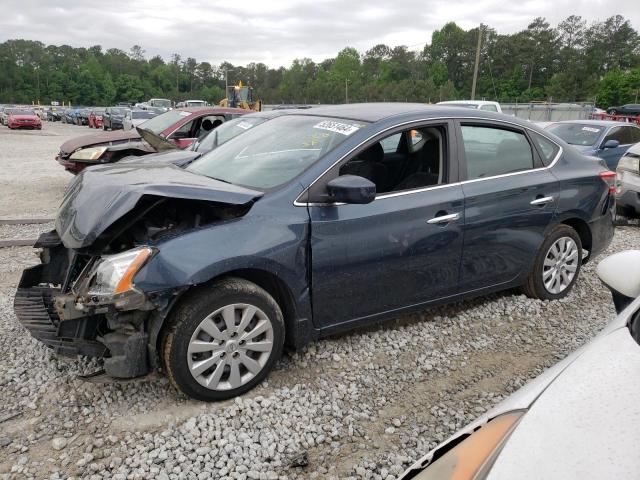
571,62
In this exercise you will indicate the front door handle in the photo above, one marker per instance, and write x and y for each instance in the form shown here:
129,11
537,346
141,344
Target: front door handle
444,218
542,201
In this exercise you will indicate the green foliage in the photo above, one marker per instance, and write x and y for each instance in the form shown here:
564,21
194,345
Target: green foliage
571,62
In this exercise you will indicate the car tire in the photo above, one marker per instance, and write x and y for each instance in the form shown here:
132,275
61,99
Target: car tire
557,265
613,112
196,337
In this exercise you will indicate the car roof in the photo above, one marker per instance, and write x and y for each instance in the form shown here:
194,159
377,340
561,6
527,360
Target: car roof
374,112
600,123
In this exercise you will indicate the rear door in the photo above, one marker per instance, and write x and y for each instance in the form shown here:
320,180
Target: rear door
510,200
402,249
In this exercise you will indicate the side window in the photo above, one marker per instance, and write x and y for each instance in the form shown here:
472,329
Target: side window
635,134
391,144
184,131
493,151
616,133
408,160
489,108
548,150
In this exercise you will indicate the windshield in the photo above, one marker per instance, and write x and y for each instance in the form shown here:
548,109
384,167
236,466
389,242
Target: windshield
142,114
226,132
23,112
576,133
196,103
118,111
273,153
160,123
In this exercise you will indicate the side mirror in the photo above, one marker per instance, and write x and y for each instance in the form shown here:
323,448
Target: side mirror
611,144
620,273
351,189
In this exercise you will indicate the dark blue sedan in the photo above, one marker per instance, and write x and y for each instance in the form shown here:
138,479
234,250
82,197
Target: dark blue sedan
312,223
601,138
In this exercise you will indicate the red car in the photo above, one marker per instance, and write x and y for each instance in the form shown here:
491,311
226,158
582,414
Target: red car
181,126
95,117
18,118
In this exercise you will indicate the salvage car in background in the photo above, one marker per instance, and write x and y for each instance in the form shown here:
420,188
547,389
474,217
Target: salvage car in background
95,117
370,210
485,105
631,109
628,182
113,118
170,153
600,138
23,118
578,420
133,118
181,127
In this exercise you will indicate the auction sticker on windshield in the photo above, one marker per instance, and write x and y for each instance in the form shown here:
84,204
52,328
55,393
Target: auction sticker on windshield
591,129
337,127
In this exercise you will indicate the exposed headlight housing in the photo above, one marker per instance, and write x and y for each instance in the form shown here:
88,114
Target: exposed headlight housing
92,154
114,274
629,163
473,457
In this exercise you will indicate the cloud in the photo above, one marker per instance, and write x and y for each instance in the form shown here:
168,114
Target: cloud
274,32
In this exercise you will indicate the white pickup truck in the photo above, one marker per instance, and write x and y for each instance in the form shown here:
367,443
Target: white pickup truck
476,104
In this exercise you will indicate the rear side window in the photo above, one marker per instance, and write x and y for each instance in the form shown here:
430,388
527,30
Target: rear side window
548,150
491,151
635,135
489,108
618,134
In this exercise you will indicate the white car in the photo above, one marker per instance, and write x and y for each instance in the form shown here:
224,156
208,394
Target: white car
628,182
578,420
475,104
133,118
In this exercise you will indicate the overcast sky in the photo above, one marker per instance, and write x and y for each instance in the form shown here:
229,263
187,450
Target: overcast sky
275,32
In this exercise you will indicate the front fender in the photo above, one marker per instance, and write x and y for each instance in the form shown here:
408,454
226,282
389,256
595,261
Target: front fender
250,242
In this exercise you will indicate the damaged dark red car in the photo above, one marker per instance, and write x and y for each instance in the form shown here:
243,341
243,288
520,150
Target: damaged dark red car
180,126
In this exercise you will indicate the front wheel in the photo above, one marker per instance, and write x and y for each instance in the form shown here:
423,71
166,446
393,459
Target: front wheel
222,340
557,265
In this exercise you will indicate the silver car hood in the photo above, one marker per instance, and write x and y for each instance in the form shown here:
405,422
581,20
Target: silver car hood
583,411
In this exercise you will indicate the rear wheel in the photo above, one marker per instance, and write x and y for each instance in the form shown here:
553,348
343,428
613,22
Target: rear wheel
222,340
557,265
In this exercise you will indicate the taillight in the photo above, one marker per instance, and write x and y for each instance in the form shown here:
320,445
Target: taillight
609,178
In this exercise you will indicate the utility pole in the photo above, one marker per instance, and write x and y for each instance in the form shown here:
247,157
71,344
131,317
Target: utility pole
475,67
346,90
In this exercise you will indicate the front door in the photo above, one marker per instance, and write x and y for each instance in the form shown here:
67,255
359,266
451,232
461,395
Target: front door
404,248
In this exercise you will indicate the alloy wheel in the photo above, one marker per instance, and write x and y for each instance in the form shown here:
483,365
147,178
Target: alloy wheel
560,265
230,346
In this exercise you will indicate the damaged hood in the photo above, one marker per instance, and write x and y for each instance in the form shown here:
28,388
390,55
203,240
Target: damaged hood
161,144
175,157
102,138
101,195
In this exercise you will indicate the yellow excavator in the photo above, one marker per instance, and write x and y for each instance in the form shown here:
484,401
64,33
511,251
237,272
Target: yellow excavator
241,96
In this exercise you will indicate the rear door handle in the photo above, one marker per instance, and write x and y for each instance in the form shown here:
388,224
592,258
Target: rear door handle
542,201
452,217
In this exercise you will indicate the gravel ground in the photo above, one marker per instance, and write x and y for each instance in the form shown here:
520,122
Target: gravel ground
363,405
27,164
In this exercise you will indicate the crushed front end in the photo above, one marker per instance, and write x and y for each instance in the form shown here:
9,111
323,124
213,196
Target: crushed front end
83,304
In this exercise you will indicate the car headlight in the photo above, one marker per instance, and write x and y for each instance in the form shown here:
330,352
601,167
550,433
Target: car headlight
114,274
473,457
89,154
